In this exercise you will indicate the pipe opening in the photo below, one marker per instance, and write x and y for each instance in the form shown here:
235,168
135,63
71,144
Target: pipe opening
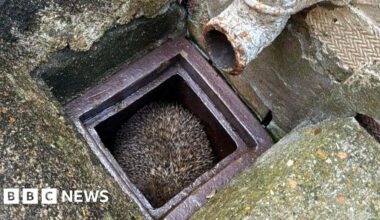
220,50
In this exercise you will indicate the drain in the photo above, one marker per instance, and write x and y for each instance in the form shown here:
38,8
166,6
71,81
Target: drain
370,125
173,73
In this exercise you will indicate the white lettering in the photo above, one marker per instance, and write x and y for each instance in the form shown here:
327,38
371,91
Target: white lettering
78,196
67,196
91,196
104,196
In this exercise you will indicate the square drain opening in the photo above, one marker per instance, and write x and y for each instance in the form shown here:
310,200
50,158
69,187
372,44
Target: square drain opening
174,73
173,90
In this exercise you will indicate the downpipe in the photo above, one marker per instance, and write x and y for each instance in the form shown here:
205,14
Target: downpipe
238,34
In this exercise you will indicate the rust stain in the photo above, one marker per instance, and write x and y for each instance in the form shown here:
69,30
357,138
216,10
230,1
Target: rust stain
317,131
342,155
349,184
293,184
321,154
340,199
245,36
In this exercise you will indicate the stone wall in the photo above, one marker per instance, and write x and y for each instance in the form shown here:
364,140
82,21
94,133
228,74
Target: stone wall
39,147
318,58
117,47
323,69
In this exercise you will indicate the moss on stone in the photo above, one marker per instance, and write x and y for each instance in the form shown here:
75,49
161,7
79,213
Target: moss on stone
39,147
68,73
150,8
328,170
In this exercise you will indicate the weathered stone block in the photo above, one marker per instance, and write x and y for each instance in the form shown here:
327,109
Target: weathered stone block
39,148
327,171
68,73
360,93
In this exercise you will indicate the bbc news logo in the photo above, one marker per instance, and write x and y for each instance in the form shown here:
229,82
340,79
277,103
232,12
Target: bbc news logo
30,196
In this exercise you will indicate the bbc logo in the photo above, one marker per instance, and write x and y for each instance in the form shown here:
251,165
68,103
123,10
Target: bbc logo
29,196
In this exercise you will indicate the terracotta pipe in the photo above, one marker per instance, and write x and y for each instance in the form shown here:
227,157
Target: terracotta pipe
238,34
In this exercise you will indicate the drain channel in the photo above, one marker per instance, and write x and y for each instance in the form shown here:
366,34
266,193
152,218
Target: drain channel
177,73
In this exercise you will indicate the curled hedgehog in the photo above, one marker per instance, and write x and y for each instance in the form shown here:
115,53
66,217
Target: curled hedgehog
163,148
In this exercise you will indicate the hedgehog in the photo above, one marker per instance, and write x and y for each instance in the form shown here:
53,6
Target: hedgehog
163,148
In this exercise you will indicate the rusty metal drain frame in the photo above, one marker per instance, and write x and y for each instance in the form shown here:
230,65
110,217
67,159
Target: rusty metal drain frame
370,125
175,58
